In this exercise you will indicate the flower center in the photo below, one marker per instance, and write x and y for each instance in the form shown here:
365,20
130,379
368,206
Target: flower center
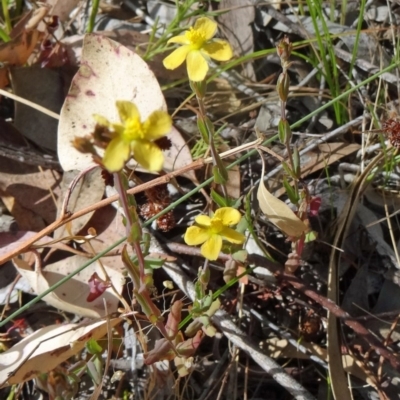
133,129
216,225
196,38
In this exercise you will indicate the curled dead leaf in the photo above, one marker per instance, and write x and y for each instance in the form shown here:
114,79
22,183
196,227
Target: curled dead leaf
278,212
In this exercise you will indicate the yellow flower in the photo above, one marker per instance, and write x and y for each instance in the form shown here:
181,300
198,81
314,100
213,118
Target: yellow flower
135,137
197,48
211,231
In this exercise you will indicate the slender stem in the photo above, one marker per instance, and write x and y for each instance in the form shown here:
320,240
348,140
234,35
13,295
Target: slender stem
6,14
288,138
92,18
214,152
130,224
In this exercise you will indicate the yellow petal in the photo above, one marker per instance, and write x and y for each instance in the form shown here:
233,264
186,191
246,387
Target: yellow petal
228,215
157,125
218,49
148,155
203,220
206,26
119,129
101,120
177,57
212,247
127,110
182,39
195,235
232,236
197,66
116,154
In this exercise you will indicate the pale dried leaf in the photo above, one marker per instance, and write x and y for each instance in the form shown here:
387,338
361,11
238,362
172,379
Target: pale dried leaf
17,179
279,213
236,26
326,154
46,348
62,8
71,296
89,190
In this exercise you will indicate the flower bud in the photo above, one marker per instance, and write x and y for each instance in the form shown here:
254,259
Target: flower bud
282,86
284,49
284,131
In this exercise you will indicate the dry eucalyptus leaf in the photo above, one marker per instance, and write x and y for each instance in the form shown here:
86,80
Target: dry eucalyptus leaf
279,213
26,219
32,189
45,349
110,228
236,26
89,190
108,72
71,296
62,8
325,154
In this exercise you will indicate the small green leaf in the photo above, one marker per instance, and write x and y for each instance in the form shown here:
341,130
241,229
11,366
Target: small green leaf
203,130
288,170
220,175
93,347
240,256
153,263
311,236
218,199
293,196
296,162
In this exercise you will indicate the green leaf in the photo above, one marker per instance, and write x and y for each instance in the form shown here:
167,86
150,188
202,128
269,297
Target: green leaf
203,130
93,347
293,196
218,199
311,236
288,170
240,256
153,263
220,175
284,131
296,162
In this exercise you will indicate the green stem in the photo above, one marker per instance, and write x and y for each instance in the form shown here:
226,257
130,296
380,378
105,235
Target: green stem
199,90
133,229
6,14
92,18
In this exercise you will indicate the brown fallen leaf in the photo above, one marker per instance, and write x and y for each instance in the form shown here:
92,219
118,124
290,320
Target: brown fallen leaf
32,190
24,38
89,190
324,155
26,219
